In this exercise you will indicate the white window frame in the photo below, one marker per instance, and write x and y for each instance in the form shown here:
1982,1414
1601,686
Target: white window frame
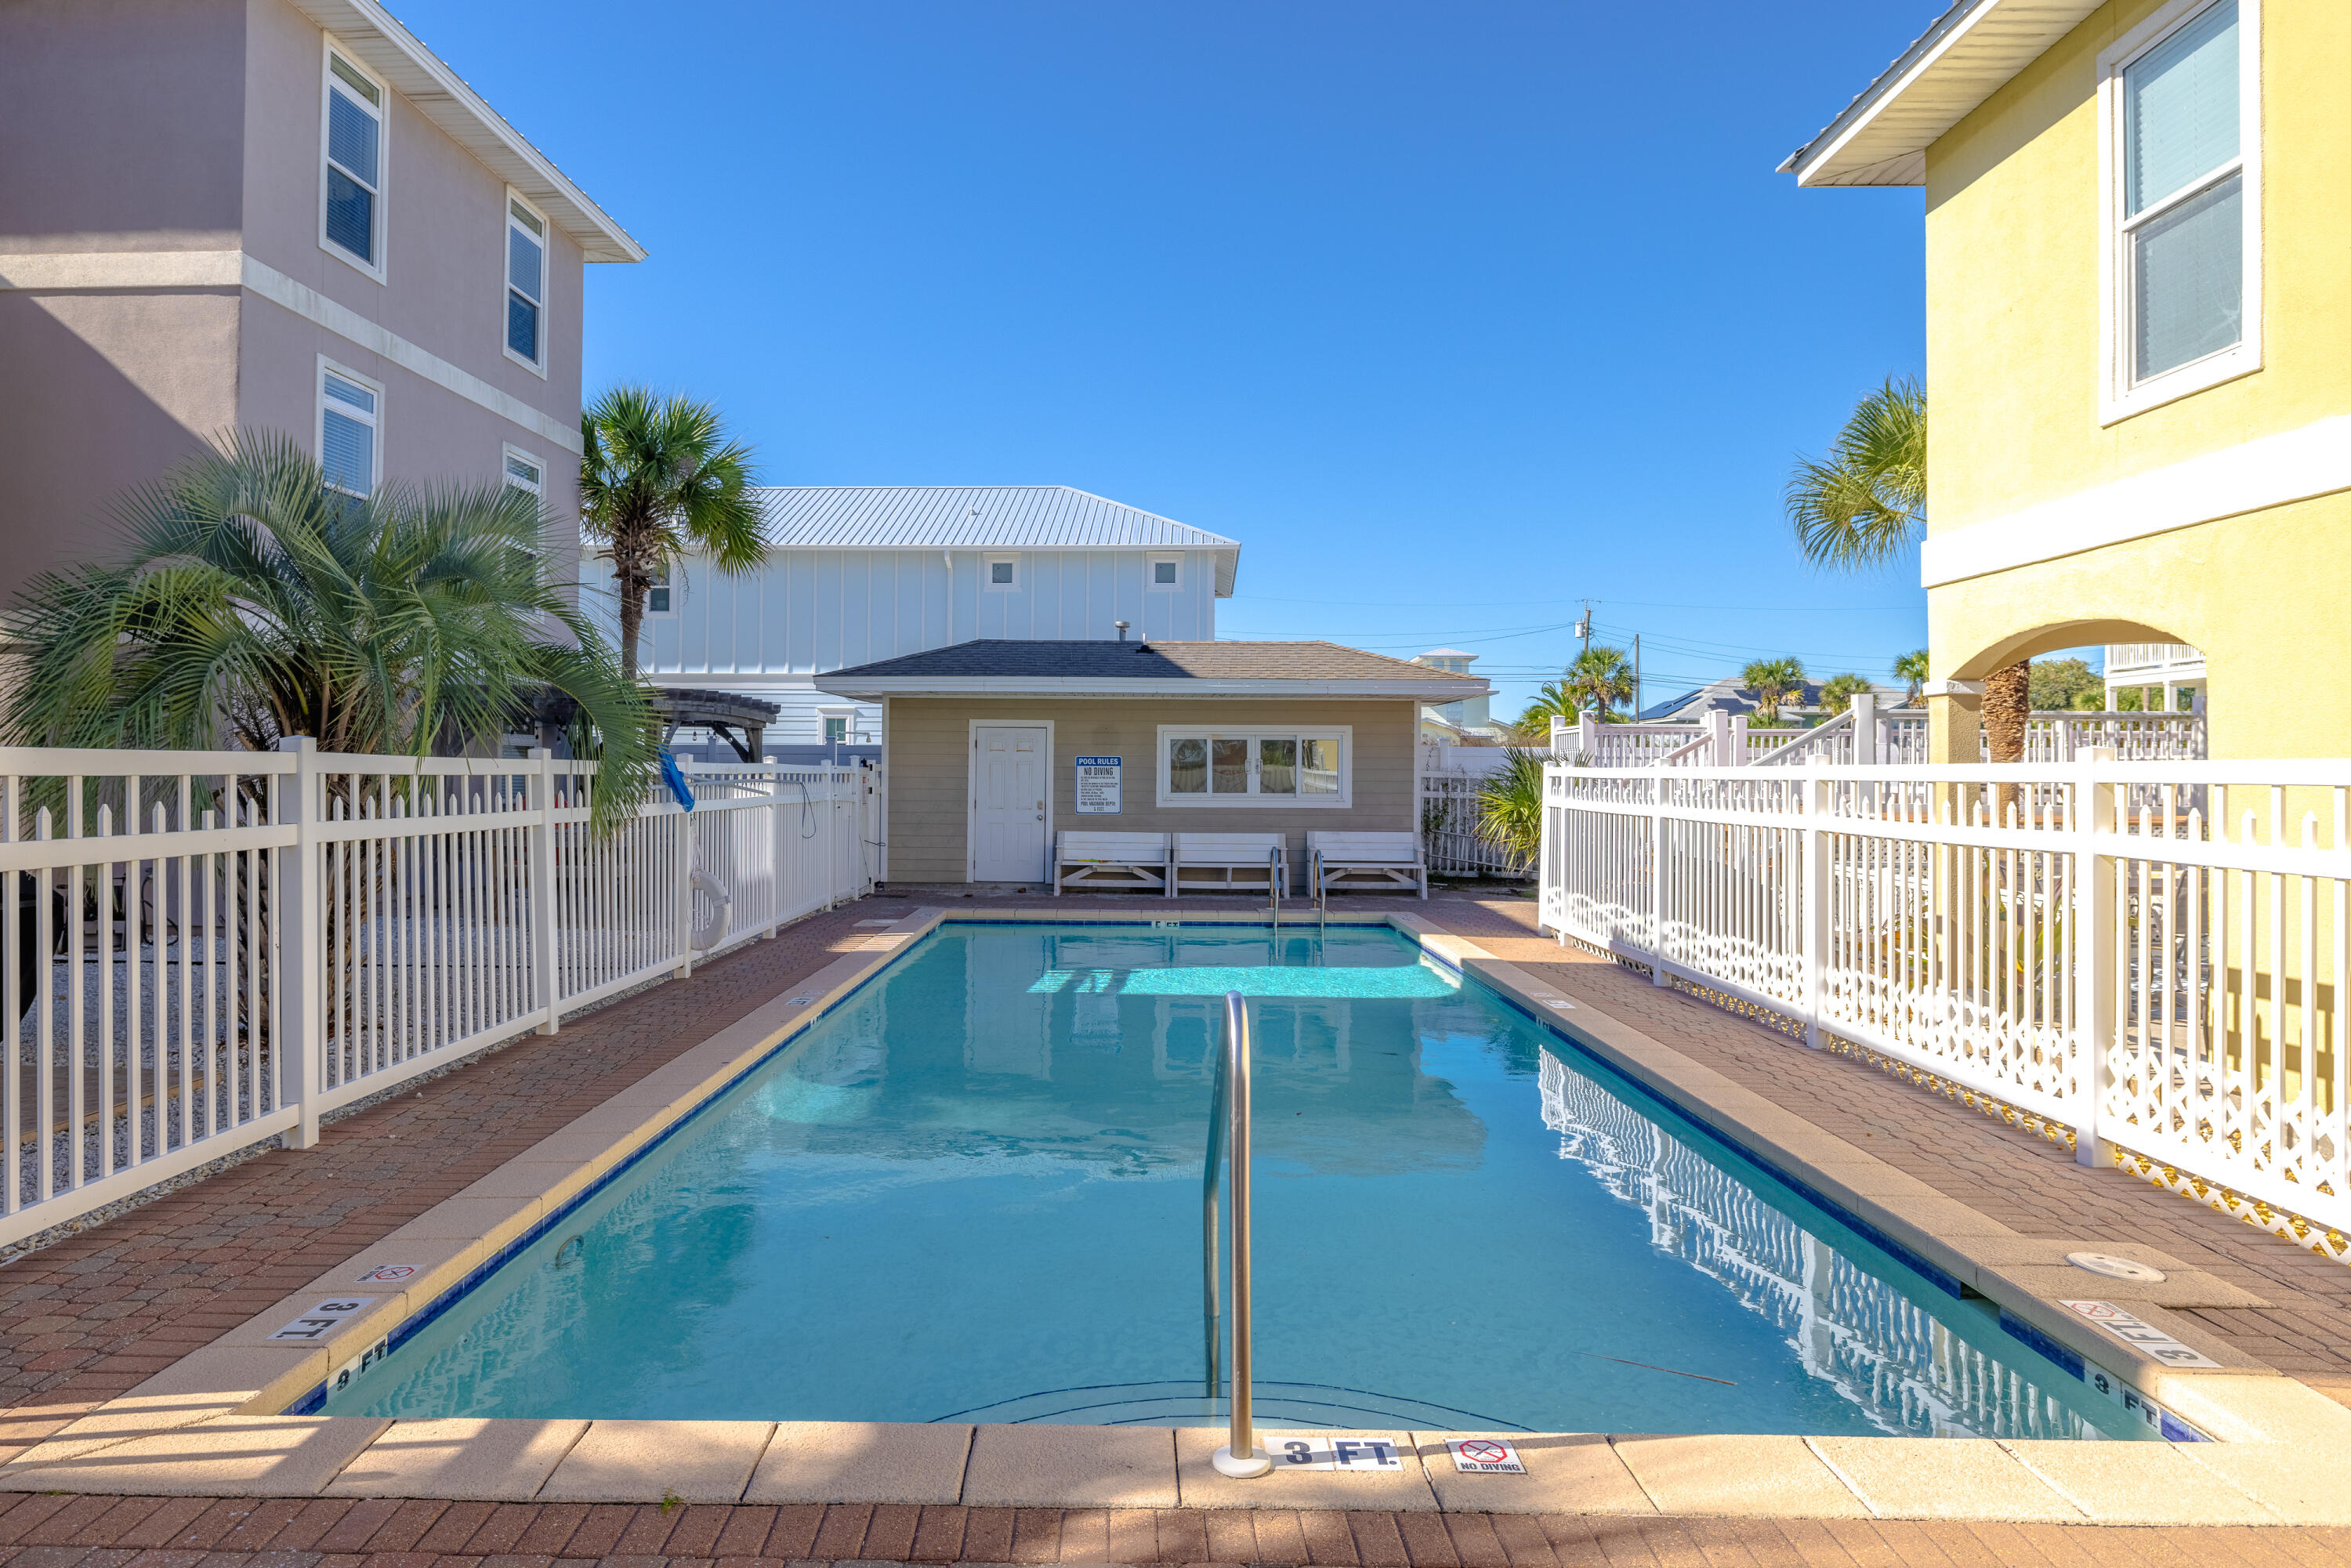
847,715
546,276
663,577
374,420
1151,565
987,565
1344,734
382,112
507,475
2118,398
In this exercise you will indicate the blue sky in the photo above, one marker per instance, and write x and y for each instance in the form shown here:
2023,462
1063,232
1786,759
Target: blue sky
1452,313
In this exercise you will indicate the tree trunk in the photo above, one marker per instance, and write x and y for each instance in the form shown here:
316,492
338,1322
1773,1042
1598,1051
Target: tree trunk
632,611
2007,700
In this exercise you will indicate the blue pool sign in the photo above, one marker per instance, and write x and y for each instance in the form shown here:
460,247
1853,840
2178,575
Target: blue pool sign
1098,784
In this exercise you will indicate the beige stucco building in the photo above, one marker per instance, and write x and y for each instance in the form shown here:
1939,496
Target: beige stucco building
225,214
984,740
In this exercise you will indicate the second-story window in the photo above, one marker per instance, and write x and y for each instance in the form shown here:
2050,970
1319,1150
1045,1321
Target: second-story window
350,219
2184,203
526,285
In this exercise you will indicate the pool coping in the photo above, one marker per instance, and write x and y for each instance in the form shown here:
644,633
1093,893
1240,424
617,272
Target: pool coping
223,1419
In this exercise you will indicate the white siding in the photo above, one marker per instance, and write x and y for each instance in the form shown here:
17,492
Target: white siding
766,632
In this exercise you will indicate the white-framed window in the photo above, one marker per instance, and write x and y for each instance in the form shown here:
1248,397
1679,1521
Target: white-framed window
1163,573
351,162
1203,766
525,251
524,472
659,597
1000,573
838,725
2179,112
351,428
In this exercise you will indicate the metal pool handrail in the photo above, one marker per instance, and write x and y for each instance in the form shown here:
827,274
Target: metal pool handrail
1273,883
1240,1458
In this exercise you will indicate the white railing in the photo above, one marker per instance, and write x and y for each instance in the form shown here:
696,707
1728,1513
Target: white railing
2135,736
206,949
2149,954
1451,836
2149,657
1861,735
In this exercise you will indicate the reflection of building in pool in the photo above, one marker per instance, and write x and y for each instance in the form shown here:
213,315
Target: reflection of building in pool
1901,1366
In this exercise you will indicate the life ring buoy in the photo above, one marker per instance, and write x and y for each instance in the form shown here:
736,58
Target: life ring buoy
711,931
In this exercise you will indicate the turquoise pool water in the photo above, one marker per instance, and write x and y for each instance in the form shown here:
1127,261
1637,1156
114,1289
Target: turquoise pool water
973,1190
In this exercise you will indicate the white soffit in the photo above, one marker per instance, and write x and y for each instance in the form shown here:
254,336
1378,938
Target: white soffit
1973,50
423,77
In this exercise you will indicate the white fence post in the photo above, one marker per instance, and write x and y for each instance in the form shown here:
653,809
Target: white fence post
544,935
1587,739
1865,729
1739,740
1658,880
1815,928
684,884
1717,734
301,945
776,865
1558,734
2093,949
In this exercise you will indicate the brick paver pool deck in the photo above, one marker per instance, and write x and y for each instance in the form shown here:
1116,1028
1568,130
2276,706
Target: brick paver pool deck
86,1319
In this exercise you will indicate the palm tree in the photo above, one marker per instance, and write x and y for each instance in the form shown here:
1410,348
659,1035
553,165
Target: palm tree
1772,679
1553,701
1598,681
1911,668
1867,501
1838,691
254,601
1864,505
660,479
1511,802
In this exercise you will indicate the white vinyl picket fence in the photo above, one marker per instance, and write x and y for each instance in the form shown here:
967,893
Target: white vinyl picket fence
2151,954
1450,836
205,949
1862,735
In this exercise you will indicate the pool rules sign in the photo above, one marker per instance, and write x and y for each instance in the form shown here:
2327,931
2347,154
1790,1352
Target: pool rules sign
1098,784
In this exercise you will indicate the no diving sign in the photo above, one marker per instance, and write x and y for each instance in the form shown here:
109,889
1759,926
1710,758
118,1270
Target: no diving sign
1486,1457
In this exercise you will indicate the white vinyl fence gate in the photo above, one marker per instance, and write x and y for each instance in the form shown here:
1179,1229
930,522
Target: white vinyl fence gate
2152,955
203,949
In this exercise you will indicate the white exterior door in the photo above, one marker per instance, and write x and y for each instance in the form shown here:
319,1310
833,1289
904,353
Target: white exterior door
1011,781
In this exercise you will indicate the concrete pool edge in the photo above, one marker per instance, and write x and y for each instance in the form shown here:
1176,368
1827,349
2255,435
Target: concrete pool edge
205,1426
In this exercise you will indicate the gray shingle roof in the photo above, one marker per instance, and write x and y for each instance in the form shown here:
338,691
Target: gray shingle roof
977,516
1161,666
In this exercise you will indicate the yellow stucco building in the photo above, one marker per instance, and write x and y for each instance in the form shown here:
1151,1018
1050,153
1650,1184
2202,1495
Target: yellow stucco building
2138,341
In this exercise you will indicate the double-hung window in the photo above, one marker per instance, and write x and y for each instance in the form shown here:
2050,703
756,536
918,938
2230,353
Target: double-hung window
350,202
525,472
657,592
526,284
350,421
1261,768
2182,122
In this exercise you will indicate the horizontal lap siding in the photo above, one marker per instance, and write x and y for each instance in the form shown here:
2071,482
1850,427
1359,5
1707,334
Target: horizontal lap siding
929,761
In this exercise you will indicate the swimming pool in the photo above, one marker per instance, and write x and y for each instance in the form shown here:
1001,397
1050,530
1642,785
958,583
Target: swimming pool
972,1190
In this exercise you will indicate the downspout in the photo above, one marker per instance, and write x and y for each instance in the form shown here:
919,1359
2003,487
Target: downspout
949,556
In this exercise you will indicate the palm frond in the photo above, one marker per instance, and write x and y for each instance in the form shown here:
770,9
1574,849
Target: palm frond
1864,505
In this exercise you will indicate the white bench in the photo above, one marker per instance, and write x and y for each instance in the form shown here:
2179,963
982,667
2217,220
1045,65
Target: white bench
1113,863
1245,862
1378,862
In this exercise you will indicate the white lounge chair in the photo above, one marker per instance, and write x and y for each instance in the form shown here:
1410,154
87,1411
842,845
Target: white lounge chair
1243,863
1111,862
1375,862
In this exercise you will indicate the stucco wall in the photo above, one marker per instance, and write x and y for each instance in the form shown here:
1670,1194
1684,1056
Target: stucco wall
928,758
121,123
2014,256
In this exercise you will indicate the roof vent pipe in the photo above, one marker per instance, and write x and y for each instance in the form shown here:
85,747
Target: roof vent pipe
1122,630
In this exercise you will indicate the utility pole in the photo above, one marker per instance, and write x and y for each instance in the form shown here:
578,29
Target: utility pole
1637,678
1583,627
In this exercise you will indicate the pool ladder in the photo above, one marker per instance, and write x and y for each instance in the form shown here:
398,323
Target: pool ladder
1229,1161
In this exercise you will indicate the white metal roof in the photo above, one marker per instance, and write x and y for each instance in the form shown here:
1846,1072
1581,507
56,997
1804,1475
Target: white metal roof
1973,49
418,75
978,517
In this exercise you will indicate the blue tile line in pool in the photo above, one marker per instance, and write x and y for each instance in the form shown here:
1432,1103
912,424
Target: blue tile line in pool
2061,1355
